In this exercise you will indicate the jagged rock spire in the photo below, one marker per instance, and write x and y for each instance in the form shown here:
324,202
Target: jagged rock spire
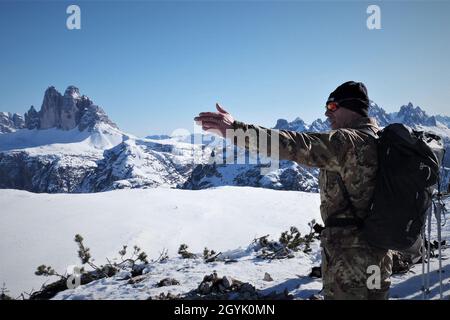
66,111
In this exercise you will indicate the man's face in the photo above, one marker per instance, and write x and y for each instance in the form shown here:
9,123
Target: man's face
340,117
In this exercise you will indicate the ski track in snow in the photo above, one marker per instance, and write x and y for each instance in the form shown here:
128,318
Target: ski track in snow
39,229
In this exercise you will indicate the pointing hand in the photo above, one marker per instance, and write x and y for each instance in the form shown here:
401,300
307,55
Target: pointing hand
215,122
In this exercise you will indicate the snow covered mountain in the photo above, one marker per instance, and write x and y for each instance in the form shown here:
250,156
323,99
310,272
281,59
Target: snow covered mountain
444,120
290,176
71,145
383,118
299,125
11,122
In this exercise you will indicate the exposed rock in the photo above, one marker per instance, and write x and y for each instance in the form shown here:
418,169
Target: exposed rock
10,122
320,126
18,121
227,282
137,270
167,282
382,117
158,137
401,263
4,296
316,272
296,125
267,277
69,109
66,111
50,113
137,279
166,296
39,173
205,288
92,114
247,287
290,176
32,119
413,116
226,288
315,297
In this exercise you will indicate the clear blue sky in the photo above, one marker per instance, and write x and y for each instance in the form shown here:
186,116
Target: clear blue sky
154,65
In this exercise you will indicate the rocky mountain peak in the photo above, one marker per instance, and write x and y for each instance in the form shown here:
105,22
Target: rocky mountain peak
32,119
10,122
281,124
296,125
72,92
320,126
66,111
382,117
411,116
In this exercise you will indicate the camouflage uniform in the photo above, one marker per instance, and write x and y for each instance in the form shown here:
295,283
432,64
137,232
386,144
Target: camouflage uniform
350,154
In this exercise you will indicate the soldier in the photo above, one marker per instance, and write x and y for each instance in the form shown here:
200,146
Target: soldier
347,158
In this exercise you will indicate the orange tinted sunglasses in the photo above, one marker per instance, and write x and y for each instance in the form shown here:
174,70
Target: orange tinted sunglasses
332,106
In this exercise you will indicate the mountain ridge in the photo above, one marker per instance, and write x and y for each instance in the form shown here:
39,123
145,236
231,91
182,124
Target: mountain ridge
71,145
408,114
59,111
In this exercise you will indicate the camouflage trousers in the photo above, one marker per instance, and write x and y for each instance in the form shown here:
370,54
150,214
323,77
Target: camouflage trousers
355,272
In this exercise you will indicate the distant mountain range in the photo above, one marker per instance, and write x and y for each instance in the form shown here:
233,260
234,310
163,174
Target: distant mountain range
408,115
71,145
292,176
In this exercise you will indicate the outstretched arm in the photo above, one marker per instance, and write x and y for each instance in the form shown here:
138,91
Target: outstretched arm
322,150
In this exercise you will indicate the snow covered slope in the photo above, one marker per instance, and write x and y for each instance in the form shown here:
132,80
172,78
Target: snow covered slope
55,141
289,176
39,229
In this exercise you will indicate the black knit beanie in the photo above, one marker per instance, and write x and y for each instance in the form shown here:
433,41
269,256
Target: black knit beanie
351,95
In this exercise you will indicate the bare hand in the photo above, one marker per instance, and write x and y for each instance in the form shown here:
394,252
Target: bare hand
215,122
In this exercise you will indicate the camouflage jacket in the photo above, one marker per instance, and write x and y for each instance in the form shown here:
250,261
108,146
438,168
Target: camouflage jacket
348,152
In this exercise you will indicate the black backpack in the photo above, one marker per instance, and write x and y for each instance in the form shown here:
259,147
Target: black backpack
408,168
